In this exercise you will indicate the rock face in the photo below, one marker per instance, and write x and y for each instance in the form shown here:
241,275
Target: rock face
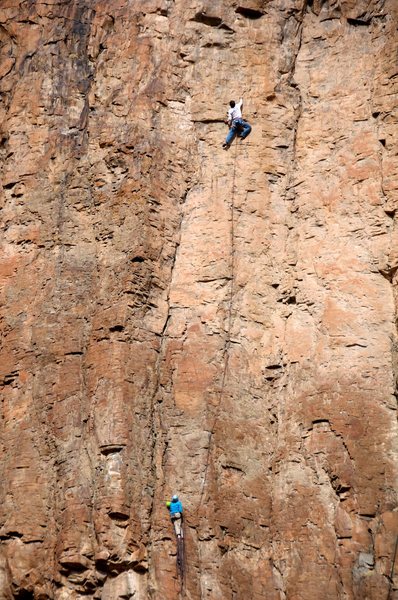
176,318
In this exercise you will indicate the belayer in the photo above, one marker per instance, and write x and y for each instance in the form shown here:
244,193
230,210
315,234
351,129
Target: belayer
236,124
175,508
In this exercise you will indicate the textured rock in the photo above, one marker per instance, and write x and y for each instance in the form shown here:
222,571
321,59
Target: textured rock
179,318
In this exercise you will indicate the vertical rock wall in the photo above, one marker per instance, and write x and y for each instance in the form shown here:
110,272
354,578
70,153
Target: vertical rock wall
176,318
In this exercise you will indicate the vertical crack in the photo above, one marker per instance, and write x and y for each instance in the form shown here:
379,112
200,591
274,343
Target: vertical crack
157,434
289,88
295,92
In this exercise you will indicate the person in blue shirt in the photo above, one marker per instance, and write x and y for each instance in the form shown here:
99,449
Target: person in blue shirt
175,509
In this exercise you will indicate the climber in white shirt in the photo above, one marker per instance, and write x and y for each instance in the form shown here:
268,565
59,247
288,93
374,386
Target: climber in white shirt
236,124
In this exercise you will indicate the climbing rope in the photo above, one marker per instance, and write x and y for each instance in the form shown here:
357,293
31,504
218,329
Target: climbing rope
391,578
181,560
228,331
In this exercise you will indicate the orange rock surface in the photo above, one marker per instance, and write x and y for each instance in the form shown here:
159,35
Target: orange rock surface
180,319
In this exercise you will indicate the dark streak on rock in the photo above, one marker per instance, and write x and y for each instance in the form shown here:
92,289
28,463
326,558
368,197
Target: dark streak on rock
249,13
210,21
359,22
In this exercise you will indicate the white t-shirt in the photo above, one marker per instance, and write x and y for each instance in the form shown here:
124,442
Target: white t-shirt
235,112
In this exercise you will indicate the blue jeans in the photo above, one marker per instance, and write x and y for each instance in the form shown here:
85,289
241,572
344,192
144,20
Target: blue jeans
239,126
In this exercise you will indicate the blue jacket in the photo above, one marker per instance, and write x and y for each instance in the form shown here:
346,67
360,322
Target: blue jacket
175,507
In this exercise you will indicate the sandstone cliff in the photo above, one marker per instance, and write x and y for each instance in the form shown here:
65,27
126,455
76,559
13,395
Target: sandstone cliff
176,318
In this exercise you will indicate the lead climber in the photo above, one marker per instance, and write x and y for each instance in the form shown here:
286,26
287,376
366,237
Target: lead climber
175,508
236,124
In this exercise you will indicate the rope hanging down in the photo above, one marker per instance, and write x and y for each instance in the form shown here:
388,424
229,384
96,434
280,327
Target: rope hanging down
228,330
391,577
181,559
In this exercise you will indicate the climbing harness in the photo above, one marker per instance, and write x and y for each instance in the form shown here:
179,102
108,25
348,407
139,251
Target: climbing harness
228,333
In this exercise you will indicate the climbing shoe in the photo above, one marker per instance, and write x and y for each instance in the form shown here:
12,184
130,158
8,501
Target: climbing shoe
225,146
